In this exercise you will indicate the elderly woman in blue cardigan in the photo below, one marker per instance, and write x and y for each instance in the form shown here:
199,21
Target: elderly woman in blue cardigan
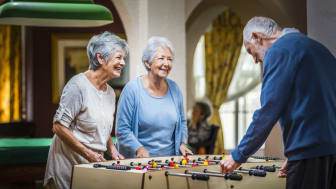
150,116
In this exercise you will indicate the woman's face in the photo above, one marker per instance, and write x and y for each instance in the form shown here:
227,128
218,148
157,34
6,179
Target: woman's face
162,62
196,113
115,64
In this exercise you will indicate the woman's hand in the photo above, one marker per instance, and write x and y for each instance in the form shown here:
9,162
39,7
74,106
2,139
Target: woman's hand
113,152
66,136
184,149
94,156
142,153
283,171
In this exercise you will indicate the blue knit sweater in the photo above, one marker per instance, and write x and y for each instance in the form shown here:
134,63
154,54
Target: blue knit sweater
127,120
299,90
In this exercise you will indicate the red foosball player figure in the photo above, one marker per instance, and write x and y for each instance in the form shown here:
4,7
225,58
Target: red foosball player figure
138,167
186,158
193,164
171,164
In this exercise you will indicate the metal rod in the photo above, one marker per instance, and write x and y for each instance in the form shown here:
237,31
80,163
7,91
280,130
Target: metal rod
210,174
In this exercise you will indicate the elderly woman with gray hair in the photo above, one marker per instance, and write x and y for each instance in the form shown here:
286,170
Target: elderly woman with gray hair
83,122
150,115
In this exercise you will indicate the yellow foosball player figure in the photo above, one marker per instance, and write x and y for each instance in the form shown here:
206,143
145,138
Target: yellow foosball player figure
299,90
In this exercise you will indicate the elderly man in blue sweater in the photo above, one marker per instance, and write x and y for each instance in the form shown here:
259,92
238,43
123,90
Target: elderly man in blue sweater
299,90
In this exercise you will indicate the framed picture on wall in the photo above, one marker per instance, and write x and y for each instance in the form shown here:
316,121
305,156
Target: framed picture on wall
69,57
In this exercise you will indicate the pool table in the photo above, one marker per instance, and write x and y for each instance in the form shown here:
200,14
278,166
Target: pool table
23,159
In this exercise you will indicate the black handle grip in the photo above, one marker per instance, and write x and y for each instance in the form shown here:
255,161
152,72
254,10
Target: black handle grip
200,176
266,168
98,165
233,177
121,167
258,173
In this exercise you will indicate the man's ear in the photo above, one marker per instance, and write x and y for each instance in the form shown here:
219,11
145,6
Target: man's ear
100,58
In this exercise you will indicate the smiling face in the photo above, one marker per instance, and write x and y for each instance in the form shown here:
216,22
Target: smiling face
162,63
115,64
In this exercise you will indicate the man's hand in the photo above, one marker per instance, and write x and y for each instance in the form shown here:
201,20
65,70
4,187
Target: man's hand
228,165
142,153
283,171
113,152
184,149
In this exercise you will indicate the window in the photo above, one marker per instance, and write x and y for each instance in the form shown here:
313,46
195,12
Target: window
243,95
199,69
236,115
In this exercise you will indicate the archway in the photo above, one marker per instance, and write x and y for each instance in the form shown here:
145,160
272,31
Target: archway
285,13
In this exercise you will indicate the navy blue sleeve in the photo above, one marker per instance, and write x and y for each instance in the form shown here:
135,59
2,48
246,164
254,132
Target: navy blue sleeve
278,79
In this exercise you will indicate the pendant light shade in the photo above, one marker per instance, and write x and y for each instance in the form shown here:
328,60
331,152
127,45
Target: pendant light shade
54,13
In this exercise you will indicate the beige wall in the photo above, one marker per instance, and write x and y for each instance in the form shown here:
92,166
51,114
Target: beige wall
321,22
145,18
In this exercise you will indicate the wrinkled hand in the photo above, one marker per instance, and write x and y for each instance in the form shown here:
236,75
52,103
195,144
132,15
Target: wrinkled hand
283,171
228,165
142,153
95,157
184,149
113,152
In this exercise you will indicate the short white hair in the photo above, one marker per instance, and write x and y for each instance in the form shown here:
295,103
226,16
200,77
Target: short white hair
106,44
153,44
264,25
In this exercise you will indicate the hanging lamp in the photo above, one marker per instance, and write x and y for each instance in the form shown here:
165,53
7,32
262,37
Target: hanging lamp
54,13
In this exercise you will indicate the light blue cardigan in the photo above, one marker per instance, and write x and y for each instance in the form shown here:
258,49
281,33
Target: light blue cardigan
127,118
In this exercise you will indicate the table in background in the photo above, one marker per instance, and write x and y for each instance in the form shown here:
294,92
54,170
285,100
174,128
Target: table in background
23,160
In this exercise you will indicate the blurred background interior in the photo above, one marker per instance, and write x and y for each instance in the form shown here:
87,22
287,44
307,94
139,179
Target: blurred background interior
43,44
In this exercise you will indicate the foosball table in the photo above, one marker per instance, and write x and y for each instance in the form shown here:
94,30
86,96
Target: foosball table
173,172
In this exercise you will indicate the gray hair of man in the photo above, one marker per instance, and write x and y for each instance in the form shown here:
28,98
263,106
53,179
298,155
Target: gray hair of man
106,44
264,25
153,44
